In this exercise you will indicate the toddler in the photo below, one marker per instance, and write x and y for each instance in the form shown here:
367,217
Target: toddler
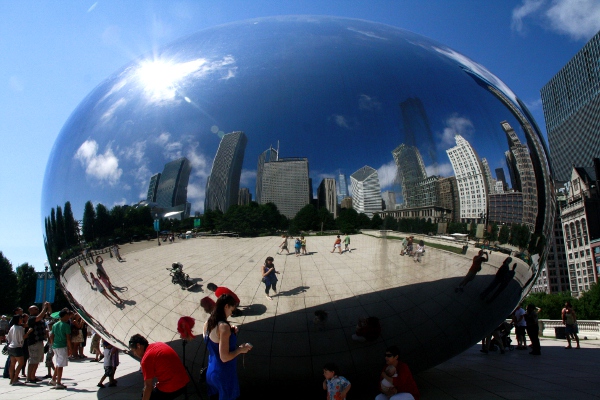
337,386
111,360
390,371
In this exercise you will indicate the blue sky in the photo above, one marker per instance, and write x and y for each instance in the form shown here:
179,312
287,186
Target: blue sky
53,54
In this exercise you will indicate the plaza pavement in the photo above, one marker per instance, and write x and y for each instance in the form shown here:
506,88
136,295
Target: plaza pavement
556,374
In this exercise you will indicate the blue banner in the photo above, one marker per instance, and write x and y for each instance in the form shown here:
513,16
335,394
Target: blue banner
156,225
50,288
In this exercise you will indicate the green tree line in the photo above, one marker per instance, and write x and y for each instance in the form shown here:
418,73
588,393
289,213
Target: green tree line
17,287
586,307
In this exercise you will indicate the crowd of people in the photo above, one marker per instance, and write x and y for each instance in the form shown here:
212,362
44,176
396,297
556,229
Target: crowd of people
53,338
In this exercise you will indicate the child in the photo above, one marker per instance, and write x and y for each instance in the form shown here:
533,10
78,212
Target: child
95,347
390,372
337,386
49,362
297,246
109,368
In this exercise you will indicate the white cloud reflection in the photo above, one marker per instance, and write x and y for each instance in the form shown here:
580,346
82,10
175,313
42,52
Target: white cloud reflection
103,167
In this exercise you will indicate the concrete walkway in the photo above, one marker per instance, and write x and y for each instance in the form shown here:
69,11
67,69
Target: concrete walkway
557,374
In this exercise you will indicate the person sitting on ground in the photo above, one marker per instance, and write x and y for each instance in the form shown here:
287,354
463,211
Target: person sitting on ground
368,329
220,291
159,361
403,384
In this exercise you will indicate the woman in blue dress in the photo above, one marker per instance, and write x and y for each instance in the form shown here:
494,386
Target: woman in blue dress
269,276
221,341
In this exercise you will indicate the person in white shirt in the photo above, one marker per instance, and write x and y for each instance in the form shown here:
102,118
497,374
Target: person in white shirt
16,337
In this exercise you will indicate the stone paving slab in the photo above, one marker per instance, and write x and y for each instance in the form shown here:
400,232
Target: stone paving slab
557,374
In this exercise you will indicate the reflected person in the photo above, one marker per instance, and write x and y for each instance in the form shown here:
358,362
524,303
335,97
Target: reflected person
508,277
403,385
473,270
498,279
221,341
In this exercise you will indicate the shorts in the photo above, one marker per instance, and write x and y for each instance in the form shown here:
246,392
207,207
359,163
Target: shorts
15,352
77,338
284,248
61,356
520,330
49,355
109,371
36,353
571,329
338,245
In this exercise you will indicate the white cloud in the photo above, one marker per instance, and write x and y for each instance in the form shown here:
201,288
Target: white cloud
455,125
527,8
107,116
341,121
478,70
440,170
104,167
366,102
195,194
387,175
535,104
248,176
579,19
367,33
163,138
92,7
136,152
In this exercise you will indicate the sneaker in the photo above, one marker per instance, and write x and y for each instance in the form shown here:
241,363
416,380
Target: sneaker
52,383
269,298
60,386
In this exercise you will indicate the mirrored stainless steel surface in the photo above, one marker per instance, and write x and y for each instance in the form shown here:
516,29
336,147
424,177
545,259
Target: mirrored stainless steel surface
390,122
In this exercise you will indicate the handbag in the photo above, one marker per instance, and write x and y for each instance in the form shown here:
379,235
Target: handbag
5,349
264,279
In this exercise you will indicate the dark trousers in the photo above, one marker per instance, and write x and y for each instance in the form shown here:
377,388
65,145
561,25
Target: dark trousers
6,374
158,395
533,334
268,287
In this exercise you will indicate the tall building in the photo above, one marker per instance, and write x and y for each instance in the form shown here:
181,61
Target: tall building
342,187
327,196
416,125
366,191
171,193
500,177
448,197
153,188
244,197
222,186
285,183
389,199
580,218
487,174
571,102
266,156
470,181
346,202
525,182
506,208
411,170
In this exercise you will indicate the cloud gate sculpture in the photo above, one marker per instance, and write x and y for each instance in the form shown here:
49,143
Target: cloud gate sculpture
363,120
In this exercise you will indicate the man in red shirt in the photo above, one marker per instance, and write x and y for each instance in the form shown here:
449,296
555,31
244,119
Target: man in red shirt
404,387
160,361
220,291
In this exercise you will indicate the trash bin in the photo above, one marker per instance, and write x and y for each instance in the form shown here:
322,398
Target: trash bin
464,249
559,332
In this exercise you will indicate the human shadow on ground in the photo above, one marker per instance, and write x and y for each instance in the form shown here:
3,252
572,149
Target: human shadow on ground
253,310
294,291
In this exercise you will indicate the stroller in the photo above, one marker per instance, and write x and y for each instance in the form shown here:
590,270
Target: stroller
502,332
178,277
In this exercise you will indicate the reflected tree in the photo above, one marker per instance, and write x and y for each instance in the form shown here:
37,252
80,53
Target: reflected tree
26,284
8,285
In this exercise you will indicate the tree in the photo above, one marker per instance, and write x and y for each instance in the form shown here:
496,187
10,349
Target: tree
71,234
390,223
102,223
306,219
363,221
26,284
376,222
89,215
346,221
588,306
8,285
59,233
325,219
